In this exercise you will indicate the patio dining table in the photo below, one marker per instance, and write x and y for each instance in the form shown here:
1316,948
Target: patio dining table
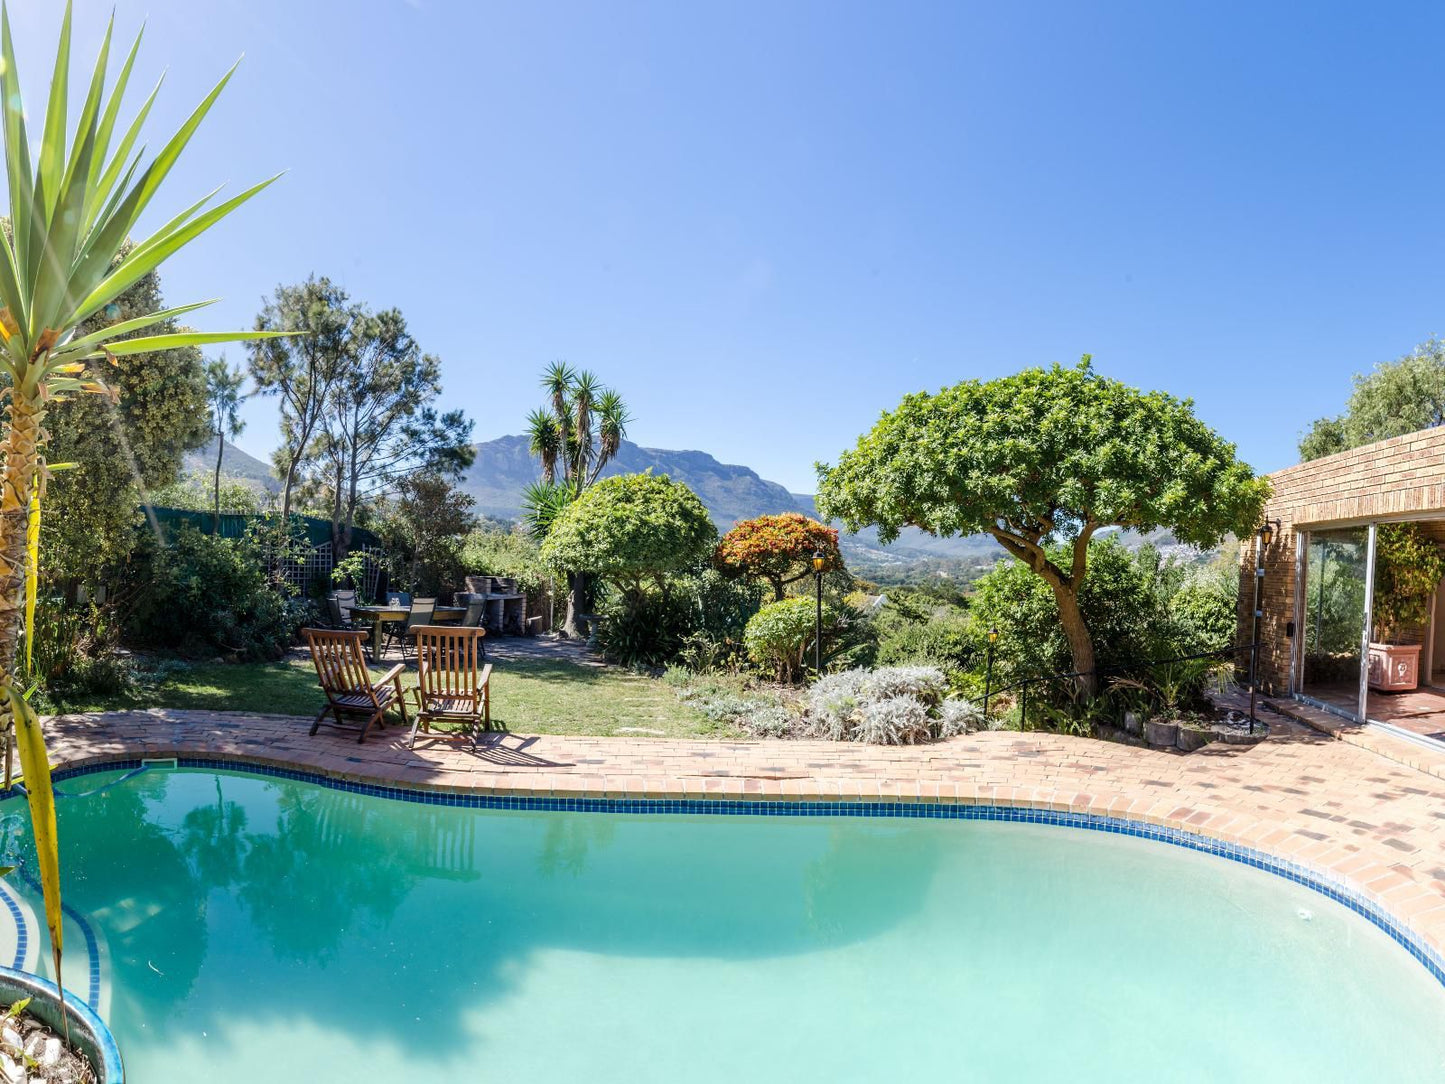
380,615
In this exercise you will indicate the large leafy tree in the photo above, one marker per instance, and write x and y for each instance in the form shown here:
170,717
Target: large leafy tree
1397,397
577,433
631,529
223,392
777,549
380,424
72,207
301,369
424,528
1042,461
123,450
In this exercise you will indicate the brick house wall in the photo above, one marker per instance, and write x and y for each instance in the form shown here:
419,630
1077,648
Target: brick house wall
1399,478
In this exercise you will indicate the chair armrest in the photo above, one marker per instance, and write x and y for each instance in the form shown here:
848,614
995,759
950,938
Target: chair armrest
485,675
394,674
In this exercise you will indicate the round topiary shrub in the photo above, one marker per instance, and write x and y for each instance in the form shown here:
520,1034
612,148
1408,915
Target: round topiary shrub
779,634
629,529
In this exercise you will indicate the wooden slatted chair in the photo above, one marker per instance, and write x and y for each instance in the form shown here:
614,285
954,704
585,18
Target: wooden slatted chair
351,692
453,684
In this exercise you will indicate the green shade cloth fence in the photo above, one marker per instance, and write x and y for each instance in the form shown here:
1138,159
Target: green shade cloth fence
234,524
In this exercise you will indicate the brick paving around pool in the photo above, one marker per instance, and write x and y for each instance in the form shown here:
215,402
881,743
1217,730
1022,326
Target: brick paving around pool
1353,814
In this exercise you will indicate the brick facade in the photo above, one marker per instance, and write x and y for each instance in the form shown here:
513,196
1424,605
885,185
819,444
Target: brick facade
1400,478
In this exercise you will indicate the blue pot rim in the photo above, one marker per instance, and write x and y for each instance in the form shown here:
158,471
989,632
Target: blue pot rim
110,1068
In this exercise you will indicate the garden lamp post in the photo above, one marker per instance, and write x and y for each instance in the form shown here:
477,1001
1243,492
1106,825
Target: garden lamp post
819,560
988,669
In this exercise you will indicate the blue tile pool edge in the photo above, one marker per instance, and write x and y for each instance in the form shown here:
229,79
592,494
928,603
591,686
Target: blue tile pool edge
1358,902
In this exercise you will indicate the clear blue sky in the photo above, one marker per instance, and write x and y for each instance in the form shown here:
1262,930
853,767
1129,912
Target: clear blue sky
765,223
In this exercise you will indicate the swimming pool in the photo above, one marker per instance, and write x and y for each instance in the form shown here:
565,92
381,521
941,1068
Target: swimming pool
244,927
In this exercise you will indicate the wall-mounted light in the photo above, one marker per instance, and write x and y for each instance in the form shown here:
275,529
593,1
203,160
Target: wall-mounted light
1267,532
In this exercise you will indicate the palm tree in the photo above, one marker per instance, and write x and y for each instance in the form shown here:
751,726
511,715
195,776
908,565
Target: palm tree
579,430
71,212
574,436
223,389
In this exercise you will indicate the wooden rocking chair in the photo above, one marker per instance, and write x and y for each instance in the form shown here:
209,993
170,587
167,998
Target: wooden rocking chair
453,685
350,691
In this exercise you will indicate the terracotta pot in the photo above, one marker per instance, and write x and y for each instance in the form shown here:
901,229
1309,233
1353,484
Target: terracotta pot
1394,668
88,1032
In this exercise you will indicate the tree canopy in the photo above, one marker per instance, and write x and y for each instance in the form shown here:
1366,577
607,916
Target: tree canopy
120,448
1043,458
357,399
422,529
379,423
630,528
301,370
579,430
777,549
1397,397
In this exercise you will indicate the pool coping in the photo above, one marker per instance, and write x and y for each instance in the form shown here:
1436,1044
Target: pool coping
1332,885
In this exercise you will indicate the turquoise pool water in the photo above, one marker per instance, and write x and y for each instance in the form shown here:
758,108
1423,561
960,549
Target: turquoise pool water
251,928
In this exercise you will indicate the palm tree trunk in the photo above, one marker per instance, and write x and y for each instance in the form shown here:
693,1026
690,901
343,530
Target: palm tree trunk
21,457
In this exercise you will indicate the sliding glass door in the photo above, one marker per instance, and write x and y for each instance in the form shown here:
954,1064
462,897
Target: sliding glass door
1335,597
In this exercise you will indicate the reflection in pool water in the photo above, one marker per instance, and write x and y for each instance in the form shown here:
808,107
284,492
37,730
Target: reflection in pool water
259,926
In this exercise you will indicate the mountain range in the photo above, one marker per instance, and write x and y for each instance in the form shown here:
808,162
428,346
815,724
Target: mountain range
503,468
235,464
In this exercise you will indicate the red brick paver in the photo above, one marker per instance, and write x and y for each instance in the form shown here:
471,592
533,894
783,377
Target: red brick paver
1372,823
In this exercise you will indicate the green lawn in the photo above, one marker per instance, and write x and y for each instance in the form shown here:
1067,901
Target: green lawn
529,696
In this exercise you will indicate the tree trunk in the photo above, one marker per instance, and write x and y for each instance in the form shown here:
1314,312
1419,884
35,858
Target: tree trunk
338,547
1081,644
581,597
351,497
777,582
286,490
20,462
220,448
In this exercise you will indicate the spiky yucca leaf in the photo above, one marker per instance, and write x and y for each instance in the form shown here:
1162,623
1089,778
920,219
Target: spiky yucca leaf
71,212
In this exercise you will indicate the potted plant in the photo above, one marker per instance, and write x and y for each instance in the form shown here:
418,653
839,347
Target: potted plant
1409,567
48,1035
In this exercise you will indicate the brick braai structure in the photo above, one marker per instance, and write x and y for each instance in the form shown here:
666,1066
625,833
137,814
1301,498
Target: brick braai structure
1400,478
